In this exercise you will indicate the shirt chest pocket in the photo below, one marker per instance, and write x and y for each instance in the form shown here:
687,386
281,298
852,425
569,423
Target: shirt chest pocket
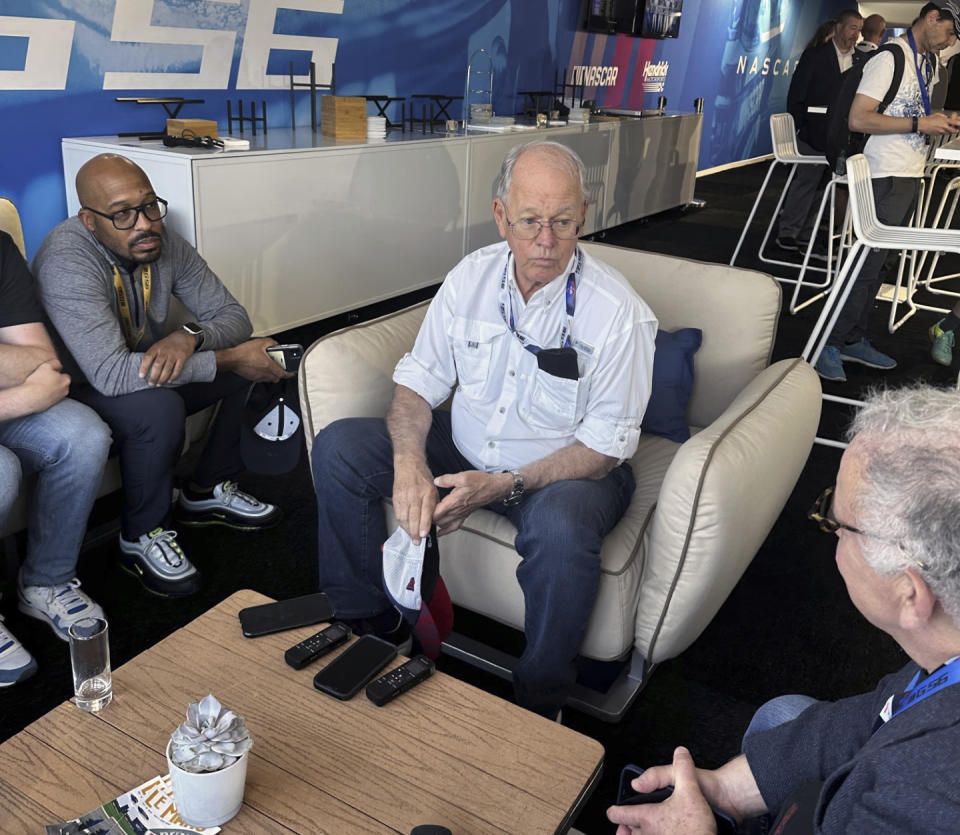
556,404
474,343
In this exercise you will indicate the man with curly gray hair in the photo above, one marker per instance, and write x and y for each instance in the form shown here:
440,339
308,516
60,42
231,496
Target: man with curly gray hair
880,762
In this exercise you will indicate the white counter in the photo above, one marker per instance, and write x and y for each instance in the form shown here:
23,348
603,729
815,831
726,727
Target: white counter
304,226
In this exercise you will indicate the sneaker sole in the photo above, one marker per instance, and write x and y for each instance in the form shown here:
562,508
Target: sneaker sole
39,614
823,376
208,518
847,358
162,588
30,671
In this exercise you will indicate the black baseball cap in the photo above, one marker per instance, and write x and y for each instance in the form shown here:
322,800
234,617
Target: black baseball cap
271,436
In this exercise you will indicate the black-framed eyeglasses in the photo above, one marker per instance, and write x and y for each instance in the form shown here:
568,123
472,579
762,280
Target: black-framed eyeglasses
821,514
125,219
528,228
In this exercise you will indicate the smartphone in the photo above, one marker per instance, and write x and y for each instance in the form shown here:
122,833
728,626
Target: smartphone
285,614
627,796
361,661
286,356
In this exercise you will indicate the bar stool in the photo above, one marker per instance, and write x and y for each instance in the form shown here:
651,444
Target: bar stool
870,234
783,137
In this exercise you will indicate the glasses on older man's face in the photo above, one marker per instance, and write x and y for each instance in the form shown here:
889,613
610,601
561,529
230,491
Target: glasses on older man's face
528,228
125,219
822,514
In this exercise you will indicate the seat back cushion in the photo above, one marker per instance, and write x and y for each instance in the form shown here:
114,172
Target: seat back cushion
739,323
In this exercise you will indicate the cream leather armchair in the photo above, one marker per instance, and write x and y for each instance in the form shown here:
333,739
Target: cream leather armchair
701,509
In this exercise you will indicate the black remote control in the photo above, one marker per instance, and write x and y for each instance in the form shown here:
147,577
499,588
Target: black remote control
310,649
392,684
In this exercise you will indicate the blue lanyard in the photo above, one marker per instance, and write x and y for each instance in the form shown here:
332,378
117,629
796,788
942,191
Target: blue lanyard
571,301
916,66
917,692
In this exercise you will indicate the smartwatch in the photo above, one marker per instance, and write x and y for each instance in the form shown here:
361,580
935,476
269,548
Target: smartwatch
916,125
196,332
516,495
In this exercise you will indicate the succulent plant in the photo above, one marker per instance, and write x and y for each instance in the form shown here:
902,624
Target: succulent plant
212,738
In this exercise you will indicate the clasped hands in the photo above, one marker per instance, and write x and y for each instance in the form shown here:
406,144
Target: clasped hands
164,360
416,501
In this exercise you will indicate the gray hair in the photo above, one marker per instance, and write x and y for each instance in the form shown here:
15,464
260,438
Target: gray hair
910,442
563,157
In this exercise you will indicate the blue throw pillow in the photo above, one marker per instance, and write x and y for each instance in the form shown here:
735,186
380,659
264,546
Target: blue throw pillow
666,413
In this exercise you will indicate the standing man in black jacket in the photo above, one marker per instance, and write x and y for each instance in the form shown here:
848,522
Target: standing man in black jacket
814,84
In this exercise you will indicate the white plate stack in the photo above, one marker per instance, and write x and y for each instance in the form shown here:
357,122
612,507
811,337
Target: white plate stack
376,127
579,114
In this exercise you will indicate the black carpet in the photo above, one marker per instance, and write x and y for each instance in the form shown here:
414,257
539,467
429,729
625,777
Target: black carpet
788,626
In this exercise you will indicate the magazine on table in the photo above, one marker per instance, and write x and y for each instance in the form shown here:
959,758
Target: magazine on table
146,810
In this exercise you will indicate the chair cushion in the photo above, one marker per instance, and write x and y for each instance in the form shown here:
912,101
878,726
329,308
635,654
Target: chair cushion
666,412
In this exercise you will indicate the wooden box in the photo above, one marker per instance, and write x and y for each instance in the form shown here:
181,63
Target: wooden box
343,116
192,127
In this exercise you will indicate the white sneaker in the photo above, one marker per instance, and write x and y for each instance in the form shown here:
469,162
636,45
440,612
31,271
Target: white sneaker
229,506
16,664
60,606
158,562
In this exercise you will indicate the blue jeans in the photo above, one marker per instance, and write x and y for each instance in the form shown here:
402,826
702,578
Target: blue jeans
559,532
66,446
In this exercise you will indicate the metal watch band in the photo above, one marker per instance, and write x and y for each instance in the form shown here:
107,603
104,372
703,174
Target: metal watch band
516,495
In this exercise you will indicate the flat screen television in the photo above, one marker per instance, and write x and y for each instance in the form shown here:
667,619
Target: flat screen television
661,19
612,16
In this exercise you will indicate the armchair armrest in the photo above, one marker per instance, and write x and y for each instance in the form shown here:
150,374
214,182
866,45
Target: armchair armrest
720,497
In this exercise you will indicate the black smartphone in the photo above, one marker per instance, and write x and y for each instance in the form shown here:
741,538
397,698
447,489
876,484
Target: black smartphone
286,356
361,661
628,796
285,614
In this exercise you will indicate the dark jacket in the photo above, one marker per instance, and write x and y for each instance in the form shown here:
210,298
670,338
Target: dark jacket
903,778
815,82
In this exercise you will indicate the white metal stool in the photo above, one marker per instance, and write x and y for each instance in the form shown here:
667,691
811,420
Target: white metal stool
870,234
785,152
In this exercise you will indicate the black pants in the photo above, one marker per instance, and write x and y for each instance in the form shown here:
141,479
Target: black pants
894,198
148,432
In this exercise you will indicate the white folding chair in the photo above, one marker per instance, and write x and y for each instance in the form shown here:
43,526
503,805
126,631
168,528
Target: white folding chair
785,152
869,233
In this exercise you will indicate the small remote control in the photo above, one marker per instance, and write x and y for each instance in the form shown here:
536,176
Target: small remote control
392,684
310,649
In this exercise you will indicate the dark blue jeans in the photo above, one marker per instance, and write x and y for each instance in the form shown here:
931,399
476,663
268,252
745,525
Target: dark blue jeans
148,430
559,532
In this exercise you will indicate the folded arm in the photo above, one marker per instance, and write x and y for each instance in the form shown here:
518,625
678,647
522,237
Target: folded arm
23,348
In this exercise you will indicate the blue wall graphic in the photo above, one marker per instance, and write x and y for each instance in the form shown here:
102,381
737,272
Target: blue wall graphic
63,62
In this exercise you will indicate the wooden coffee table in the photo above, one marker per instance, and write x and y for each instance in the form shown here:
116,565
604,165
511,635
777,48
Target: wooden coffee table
445,753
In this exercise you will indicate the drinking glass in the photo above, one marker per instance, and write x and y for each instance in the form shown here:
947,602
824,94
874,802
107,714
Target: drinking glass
90,660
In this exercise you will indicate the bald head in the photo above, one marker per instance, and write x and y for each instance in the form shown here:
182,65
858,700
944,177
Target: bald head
110,183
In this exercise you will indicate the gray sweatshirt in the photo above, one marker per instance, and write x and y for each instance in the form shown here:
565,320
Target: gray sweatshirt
76,285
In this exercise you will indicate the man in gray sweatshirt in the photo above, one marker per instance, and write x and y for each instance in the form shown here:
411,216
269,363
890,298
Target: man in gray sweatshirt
107,278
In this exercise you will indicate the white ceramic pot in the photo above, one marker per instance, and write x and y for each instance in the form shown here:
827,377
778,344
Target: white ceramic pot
208,799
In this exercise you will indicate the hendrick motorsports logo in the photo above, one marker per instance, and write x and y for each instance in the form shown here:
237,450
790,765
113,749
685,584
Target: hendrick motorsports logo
655,76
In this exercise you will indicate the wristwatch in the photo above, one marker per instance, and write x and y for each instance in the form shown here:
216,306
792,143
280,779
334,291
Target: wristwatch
196,332
516,495
916,125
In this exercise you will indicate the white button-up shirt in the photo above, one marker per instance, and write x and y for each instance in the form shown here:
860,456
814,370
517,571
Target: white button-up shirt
506,412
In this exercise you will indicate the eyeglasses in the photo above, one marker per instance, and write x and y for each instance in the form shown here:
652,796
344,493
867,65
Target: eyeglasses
125,219
820,513
528,228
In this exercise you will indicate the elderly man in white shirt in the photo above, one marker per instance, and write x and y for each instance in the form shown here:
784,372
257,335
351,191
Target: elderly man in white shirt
549,355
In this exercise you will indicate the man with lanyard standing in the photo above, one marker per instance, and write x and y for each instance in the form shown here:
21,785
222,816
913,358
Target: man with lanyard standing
549,355
897,152
883,762
107,279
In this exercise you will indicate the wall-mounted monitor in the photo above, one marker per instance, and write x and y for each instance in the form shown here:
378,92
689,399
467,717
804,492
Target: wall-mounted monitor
612,16
661,19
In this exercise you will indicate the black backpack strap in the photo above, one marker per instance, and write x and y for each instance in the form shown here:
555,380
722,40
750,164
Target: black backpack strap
898,64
